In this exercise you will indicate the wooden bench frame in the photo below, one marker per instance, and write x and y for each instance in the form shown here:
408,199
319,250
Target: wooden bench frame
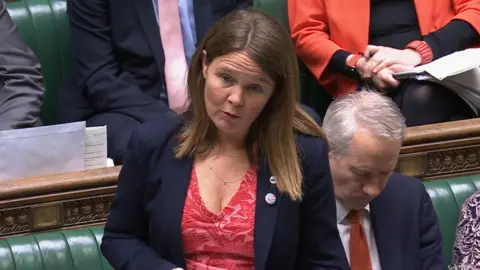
441,150
63,201
81,199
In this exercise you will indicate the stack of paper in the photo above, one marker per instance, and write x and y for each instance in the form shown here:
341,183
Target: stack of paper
95,147
459,71
51,150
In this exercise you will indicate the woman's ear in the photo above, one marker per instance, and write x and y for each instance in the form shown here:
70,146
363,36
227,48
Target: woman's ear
204,64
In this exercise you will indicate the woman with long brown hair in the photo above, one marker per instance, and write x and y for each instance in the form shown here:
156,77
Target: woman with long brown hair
243,181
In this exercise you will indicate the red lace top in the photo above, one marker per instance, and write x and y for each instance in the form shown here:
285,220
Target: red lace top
223,240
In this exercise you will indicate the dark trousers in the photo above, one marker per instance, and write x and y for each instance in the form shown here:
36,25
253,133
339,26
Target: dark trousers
424,103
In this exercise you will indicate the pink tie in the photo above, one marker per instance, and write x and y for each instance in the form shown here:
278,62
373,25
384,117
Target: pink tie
175,62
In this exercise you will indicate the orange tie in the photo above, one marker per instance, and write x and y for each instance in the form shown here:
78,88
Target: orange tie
359,253
175,63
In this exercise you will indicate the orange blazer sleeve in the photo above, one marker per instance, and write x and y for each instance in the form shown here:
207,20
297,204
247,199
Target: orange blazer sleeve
469,11
308,25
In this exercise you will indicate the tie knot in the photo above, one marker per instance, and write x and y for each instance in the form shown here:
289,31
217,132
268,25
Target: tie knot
354,217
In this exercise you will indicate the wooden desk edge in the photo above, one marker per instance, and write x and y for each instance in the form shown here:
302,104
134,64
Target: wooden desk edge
40,185
442,132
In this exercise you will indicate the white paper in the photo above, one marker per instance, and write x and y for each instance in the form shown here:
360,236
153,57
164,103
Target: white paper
450,65
459,71
467,86
453,64
42,150
95,147
110,162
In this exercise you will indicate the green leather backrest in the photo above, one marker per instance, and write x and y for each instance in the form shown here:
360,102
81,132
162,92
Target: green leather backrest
274,8
63,250
448,196
312,93
43,24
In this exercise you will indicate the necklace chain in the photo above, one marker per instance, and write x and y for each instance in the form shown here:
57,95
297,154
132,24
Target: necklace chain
225,182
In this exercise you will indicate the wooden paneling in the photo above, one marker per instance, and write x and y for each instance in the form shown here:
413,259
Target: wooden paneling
56,201
441,150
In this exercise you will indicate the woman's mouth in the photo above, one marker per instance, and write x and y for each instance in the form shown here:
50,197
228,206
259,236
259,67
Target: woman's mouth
231,115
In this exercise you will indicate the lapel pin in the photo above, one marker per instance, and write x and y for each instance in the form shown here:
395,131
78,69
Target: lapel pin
273,180
270,198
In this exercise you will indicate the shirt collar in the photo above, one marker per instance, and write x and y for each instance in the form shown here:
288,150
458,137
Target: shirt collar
342,212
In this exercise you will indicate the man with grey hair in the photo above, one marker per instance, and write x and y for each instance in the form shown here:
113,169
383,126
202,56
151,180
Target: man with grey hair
385,220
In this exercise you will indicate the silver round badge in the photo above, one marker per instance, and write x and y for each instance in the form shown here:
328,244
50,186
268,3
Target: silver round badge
270,198
273,180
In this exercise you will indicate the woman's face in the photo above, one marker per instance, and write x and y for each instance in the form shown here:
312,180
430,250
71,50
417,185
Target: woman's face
236,91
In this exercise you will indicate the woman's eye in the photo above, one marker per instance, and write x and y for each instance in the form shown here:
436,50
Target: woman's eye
225,78
359,173
255,88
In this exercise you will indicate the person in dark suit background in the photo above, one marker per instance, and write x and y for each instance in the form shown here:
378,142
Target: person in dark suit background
385,220
21,83
244,181
122,63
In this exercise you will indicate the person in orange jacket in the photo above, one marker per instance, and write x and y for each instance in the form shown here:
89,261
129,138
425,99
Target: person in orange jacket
347,44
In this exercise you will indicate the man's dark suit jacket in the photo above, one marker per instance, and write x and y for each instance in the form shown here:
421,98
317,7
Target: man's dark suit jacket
21,84
118,76
406,227
143,230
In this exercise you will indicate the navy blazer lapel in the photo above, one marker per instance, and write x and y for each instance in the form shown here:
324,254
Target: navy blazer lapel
388,245
203,18
146,14
175,192
265,216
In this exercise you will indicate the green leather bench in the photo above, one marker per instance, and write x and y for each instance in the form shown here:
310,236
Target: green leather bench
63,250
79,249
43,25
448,196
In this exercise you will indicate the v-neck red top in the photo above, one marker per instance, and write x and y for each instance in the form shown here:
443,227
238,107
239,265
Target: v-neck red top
223,240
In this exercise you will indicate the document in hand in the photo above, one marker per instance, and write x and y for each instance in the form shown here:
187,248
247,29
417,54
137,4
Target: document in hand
459,71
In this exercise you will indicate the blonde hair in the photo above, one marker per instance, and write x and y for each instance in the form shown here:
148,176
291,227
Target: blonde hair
272,135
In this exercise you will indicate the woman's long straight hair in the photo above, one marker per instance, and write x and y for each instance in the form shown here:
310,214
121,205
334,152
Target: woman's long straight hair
272,134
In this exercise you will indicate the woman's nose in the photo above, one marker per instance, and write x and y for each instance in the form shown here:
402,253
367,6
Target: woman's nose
236,96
